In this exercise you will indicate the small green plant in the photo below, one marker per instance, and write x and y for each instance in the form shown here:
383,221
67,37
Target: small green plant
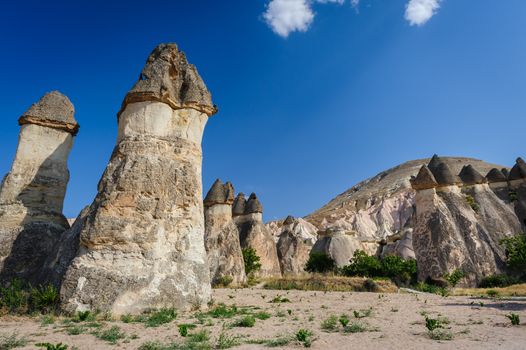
44,298
440,334
46,320
183,330
454,277
330,324
224,281
223,311
513,196
252,261
472,203
355,328
320,263
433,323
262,315
514,319
12,341
280,299
344,320
226,342
160,317
492,293
75,330
304,336
363,313
246,321
49,346
111,335
83,316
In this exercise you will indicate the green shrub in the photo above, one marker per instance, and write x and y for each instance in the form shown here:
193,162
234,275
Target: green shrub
330,324
246,321
44,298
161,317
370,286
14,296
183,330
399,270
434,323
224,281
49,346
472,203
430,288
454,277
498,281
363,265
223,311
344,320
355,328
111,335
515,252
320,262
304,337
514,318
226,342
84,316
251,259
440,334
12,341
492,293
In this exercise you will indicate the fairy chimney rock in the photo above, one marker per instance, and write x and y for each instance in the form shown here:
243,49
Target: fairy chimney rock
147,220
32,193
470,176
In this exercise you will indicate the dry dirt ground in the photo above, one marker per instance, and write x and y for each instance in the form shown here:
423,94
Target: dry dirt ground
395,322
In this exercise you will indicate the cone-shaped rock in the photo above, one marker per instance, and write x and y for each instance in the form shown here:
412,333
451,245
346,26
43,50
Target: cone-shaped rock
32,193
168,77
253,205
142,244
222,237
424,179
239,205
470,176
495,175
518,171
443,174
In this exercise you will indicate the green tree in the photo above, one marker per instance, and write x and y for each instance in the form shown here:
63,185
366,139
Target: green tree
515,252
320,262
251,259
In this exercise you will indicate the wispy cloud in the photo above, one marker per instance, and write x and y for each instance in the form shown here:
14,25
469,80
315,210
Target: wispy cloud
418,12
287,16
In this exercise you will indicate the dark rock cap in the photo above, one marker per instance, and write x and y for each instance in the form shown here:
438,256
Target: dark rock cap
424,180
53,110
443,174
470,176
506,172
518,171
495,175
219,193
168,77
289,220
239,205
253,205
434,162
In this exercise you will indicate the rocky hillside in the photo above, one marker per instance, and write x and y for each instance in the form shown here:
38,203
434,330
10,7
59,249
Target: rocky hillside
377,210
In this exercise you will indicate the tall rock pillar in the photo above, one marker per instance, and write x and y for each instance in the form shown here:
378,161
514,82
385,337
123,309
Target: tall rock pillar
141,246
221,236
32,193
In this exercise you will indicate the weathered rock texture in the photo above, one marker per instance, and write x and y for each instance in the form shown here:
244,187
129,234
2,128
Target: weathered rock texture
141,245
254,234
32,193
460,227
295,239
338,243
221,235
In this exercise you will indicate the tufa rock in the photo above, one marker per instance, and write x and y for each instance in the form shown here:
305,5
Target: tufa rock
223,249
142,243
442,173
518,171
253,205
294,244
424,179
32,193
470,176
168,77
495,175
239,205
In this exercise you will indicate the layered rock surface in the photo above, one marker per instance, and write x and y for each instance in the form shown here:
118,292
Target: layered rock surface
295,239
248,216
221,236
32,193
141,243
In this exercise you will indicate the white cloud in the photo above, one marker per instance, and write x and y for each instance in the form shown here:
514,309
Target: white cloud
286,16
418,12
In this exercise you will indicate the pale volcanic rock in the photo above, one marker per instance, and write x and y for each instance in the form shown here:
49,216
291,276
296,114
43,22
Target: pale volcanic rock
254,234
142,242
221,235
295,241
337,243
32,193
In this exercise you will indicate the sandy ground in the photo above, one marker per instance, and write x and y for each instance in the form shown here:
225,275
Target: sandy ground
396,322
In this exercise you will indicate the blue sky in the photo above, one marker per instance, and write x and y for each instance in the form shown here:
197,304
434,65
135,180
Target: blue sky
311,102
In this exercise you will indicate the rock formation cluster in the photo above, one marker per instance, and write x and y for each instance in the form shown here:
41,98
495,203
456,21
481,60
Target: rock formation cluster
32,193
295,242
223,249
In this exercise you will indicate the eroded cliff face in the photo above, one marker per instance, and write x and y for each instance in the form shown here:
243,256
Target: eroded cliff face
141,245
32,193
222,236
